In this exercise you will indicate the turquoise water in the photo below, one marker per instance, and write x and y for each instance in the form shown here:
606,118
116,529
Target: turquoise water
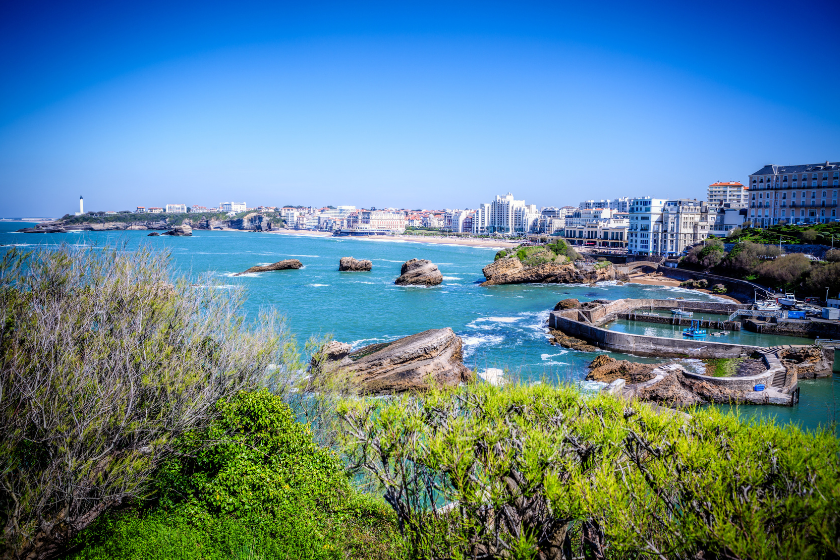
501,326
731,337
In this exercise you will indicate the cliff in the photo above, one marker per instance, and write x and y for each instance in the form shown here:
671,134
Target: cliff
510,270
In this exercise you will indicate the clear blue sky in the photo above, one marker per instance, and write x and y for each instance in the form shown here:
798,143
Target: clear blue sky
413,104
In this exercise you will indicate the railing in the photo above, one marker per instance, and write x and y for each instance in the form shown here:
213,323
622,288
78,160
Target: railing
826,342
756,313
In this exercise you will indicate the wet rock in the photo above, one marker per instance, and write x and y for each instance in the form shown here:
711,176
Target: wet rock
153,234
606,369
289,264
419,272
559,338
807,362
413,363
349,264
568,303
180,231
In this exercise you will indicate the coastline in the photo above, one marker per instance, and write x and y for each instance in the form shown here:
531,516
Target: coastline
671,283
467,242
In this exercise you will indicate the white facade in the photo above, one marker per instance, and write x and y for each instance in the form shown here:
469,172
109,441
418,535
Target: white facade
586,216
506,216
727,192
645,213
81,206
232,206
726,218
454,220
608,233
155,210
176,208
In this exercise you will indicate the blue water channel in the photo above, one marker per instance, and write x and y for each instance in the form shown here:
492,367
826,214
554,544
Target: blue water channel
500,326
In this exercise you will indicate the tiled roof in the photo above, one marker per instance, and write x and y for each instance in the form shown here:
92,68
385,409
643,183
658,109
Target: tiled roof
727,184
771,169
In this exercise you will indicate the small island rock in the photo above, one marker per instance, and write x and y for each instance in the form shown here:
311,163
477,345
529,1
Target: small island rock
419,272
349,264
180,231
153,234
289,264
413,363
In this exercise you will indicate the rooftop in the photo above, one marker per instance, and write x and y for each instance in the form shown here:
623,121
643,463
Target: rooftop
776,169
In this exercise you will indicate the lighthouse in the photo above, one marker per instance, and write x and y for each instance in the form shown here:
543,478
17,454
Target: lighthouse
81,206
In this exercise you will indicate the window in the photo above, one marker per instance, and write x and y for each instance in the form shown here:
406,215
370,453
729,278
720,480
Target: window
793,195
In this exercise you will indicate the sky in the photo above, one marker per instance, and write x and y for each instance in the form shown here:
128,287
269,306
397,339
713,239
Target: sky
405,104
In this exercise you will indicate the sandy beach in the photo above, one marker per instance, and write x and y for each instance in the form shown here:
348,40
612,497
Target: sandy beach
468,242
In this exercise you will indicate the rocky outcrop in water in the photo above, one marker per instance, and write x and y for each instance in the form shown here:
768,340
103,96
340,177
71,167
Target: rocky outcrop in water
419,272
606,369
413,363
153,234
289,264
510,270
349,264
180,231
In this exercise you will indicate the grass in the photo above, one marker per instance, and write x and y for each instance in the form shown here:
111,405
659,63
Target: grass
722,367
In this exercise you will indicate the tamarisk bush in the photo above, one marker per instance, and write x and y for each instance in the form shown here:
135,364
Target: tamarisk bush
542,472
105,363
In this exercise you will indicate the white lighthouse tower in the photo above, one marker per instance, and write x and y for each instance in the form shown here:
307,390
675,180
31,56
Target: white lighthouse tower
81,206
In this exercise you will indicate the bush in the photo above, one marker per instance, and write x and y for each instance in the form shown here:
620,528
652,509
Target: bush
719,289
809,235
104,364
745,257
262,485
784,272
734,232
540,472
705,257
833,255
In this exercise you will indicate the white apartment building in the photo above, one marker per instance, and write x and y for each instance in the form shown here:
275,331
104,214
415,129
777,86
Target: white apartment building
371,222
454,220
726,218
176,208
644,213
594,204
140,210
727,192
618,204
794,194
506,216
232,207
155,210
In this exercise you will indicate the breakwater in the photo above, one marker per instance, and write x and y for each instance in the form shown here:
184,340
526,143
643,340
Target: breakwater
680,321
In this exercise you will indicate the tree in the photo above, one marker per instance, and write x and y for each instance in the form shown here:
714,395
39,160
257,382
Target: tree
809,235
833,255
105,362
734,232
786,271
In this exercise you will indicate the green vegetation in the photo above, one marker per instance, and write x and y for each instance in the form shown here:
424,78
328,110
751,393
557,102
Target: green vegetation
557,251
538,472
253,485
722,367
790,235
170,219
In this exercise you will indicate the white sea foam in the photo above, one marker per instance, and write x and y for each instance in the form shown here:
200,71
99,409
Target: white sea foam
473,341
545,357
451,278
240,275
318,285
493,376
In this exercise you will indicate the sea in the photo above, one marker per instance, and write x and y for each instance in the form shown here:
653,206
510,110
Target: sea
501,327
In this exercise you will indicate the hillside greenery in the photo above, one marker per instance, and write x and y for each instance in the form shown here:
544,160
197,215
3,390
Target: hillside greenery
540,472
534,255
170,219
767,265
811,234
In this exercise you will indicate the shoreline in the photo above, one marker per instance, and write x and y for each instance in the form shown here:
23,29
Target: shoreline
666,282
466,242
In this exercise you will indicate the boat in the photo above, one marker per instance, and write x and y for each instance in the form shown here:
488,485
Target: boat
767,305
789,300
681,313
694,331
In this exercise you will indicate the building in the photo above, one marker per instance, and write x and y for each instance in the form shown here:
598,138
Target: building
794,194
81,206
553,219
155,210
373,222
594,204
726,218
197,209
176,208
506,216
607,233
581,217
140,210
644,213
727,192
232,206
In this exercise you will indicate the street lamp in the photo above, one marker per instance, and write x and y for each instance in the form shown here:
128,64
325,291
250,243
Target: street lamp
826,296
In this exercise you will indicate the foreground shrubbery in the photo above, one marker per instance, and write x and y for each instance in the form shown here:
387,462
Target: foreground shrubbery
253,485
538,472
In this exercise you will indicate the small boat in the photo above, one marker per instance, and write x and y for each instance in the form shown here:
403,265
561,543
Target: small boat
789,300
768,305
694,331
681,313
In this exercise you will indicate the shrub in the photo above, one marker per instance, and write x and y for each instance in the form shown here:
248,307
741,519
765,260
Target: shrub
784,272
833,255
540,472
105,364
263,485
734,232
809,235
719,289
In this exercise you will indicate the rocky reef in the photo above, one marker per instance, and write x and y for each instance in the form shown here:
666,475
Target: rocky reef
606,369
289,264
419,272
180,231
349,264
413,363
510,270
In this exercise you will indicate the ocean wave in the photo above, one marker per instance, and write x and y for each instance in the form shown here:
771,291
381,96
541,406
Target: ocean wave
545,357
310,256
318,285
473,341
451,278
240,275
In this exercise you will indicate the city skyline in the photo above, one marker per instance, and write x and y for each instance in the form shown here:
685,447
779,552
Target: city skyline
406,107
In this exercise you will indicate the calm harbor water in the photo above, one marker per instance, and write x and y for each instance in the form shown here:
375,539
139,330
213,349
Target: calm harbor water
731,337
501,326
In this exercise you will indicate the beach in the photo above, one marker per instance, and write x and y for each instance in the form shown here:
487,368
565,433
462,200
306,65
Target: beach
464,241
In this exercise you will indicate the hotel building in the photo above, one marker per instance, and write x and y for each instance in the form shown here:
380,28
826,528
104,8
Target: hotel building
727,192
794,194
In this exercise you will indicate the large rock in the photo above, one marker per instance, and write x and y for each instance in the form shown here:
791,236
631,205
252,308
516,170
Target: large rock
606,369
289,264
419,272
349,264
568,303
413,363
180,231
510,270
